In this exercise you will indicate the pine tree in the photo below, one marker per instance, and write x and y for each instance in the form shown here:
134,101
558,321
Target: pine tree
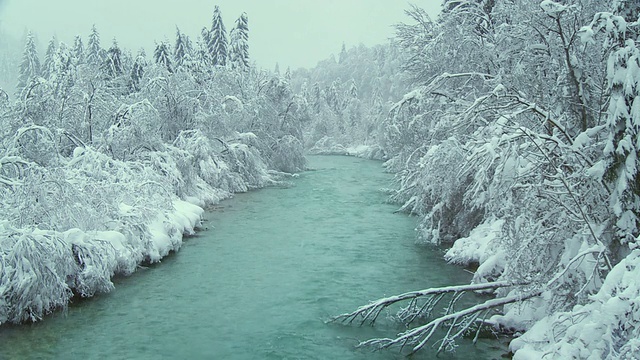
239,54
343,54
47,65
112,65
203,47
94,51
162,57
62,70
287,74
30,66
137,71
218,40
180,51
78,50
622,150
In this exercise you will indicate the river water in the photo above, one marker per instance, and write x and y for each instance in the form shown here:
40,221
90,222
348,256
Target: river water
260,282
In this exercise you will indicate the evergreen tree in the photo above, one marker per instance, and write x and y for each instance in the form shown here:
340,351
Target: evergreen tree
47,65
137,71
287,74
112,65
218,40
239,54
78,50
203,47
162,57
181,51
30,66
62,70
94,51
343,54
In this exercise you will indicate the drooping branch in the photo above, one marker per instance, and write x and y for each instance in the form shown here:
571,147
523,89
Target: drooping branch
459,321
369,313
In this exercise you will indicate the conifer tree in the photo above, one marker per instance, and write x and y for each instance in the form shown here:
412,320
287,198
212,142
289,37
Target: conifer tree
203,47
180,52
162,57
343,54
47,65
239,54
78,50
94,51
30,66
112,65
217,44
137,71
61,73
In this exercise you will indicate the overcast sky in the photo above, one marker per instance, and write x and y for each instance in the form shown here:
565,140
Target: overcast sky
296,33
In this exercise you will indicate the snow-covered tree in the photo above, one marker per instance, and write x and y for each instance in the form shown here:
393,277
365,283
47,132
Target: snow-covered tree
137,71
112,65
183,49
49,55
239,45
78,50
217,42
30,66
162,57
94,50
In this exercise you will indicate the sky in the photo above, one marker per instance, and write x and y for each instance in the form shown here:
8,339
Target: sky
295,33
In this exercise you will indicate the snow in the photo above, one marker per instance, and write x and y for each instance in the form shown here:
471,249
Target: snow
601,329
552,8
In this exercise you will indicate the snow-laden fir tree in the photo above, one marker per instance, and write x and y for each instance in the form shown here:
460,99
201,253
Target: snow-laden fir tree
182,49
162,57
30,66
343,54
50,53
239,52
94,50
112,65
203,47
62,70
218,42
78,50
137,71
623,150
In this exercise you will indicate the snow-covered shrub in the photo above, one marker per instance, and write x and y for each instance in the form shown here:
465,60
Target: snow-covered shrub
35,268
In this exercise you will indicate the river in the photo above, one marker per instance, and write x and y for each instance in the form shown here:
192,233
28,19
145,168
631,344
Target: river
260,282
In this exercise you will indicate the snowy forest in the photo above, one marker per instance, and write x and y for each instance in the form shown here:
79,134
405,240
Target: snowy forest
511,128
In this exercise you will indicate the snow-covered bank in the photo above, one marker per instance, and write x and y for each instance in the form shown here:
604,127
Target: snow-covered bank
329,146
73,225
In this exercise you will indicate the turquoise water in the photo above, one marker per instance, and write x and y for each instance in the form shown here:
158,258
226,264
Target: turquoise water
260,282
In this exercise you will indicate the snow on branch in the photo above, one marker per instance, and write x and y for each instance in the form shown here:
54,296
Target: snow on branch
369,313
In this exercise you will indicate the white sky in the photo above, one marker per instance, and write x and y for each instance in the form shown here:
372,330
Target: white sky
296,33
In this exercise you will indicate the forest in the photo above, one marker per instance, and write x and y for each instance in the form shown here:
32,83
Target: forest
511,128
